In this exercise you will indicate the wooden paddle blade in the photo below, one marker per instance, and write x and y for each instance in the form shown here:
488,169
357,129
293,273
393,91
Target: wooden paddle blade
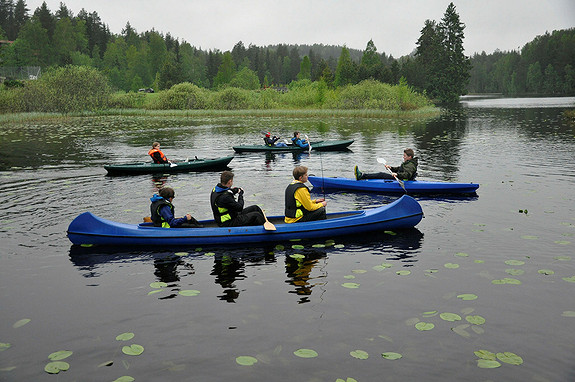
268,226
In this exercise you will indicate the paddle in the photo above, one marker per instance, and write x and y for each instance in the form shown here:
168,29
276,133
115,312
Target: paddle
308,143
383,162
268,226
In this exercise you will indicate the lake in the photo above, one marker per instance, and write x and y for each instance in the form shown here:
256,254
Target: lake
483,289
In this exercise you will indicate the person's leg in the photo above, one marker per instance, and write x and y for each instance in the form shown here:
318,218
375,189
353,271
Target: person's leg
251,215
377,175
318,214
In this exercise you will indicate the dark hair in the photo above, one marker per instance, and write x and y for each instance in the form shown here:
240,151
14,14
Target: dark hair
155,144
167,193
299,171
295,133
409,152
226,177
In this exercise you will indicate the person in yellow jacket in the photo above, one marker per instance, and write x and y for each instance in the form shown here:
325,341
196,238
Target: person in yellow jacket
299,207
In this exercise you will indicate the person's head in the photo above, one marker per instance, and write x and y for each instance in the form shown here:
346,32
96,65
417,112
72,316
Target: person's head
167,193
155,145
226,177
268,134
408,154
299,172
296,134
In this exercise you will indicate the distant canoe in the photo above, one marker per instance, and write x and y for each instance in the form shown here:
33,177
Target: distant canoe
319,146
153,168
385,186
88,229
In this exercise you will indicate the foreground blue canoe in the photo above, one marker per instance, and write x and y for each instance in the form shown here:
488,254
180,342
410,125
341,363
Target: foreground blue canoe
385,186
90,229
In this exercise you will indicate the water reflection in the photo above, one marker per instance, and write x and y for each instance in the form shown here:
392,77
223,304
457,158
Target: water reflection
299,269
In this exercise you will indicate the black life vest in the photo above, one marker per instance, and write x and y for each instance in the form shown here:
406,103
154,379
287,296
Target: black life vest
293,208
157,219
221,214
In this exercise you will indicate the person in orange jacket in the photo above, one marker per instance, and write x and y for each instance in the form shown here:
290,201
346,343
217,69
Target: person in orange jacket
157,155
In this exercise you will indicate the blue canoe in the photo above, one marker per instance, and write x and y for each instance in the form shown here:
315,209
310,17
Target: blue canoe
90,229
384,186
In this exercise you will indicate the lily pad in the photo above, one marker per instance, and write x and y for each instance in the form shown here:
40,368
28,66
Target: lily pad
350,285
451,265
56,367
567,313
125,336
450,317
189,292
530,237
506,280
318,246
349,379
546,272
4,346
487,364
133,349
460,329
306,353
210,254
60,355
20,323
403,273
462,254
339,246
246,360
158,284
349,277
485,354
514,262
562,242
569,279
280,247
391,355
181,254
423,326
359,354
510,358
125,378
297,256
359,271
562,258
430,313
515,272
467,297
297,246
475,320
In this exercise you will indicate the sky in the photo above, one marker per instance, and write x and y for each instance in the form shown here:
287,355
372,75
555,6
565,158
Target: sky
393,25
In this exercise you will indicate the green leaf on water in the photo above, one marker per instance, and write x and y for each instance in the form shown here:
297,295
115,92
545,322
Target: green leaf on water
487,364
56,367
60,355
530,237
562,242
318,246
86,245
391,355
297,256
154,291
478,261
306,353
280,247
158,284
485,354
133,349
467,296
431,313
546,272
125,378
510,358
514,262
567,313
390,232
359,354
339,246
475,320
350,285
506,280
359,271
562,258
210,254
181,254
348,379
450,317
451,265
189,292
246,360
349,277
297,246
20,323
514,272
462,254
125,336
423,326
4,346
569,279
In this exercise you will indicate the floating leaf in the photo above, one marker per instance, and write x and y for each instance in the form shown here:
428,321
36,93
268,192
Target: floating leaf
567,313
246,360
391,355
514,262
209,254
430,313
529,237
546,272
475,320
515,272
562,258
451,265
562,242
107,363
460,329
569,279
21,323
154,291
339,246
189,292
485,354
403,273
359,271
424,326
280,247
350,285
125,378
318,246
158,284
349,379
86,245
56,367
390,232
467,296
349,277
181,254
461,254
506,280
306,353
432,270
297,246
487,364
478,261
60,355
450,317
4,346
379,268
125,336
297,256
133,349
510,358
359,354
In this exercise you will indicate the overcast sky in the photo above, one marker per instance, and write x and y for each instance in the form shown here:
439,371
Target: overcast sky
393,25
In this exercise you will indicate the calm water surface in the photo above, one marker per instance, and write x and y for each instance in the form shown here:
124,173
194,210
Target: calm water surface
263,302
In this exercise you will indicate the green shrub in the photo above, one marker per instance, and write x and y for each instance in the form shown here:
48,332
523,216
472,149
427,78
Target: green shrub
231,99
131,100
182,96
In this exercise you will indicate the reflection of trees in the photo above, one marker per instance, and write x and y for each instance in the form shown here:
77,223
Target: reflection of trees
299,270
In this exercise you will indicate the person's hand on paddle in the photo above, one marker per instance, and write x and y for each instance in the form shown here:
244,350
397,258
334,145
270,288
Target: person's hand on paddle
322,201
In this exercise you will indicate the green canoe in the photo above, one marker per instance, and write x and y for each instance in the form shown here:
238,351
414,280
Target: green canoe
153,168
319,146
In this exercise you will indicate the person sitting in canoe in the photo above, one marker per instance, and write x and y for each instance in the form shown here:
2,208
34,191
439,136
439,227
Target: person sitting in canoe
297,141
227,211
157,155
162,211
405,171
273,141
299,207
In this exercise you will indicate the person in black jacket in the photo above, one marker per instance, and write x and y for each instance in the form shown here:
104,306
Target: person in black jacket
405,171
227,211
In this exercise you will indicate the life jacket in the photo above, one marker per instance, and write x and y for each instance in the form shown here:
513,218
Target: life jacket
221,214
157,219
153,151
293,208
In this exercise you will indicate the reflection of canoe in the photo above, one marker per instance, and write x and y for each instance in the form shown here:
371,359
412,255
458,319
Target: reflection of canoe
319,146
153,168
392,187
90,229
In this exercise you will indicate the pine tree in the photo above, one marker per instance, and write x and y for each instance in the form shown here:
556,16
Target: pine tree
345,72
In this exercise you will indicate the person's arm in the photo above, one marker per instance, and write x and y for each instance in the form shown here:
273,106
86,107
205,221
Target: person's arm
227,201
406,171
166,213
302,195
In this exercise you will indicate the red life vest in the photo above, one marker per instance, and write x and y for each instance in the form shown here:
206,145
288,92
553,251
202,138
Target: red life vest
153,151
